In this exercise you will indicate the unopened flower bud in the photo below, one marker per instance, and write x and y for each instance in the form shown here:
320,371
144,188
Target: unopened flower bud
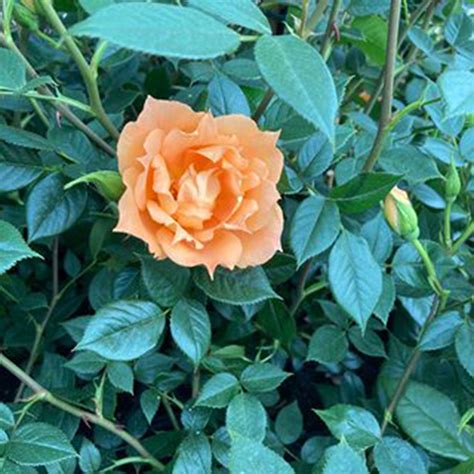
25,16
453,183
400,214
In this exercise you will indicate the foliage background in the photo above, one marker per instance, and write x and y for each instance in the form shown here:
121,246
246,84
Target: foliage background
351,351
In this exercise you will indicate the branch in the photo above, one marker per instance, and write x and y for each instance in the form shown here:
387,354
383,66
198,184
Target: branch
386,112
84,68
62,109
329,28
44,395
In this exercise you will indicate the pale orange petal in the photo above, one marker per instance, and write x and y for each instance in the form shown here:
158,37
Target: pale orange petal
260,246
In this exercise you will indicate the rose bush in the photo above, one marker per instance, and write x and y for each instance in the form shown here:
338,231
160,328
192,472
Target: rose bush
236,236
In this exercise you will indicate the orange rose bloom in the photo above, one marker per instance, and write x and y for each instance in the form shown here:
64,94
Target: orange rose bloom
200,190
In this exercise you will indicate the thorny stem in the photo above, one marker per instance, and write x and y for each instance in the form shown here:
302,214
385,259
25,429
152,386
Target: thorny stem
61,108
403,34
438,306
263,105
86,71
41,328
45,396
314,18
386,111
329,28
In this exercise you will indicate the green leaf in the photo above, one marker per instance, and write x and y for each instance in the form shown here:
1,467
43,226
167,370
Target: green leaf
355,277
457,89
12,247
299,76
149,403
374,33
289,423
368,343
314,157
218,391
262,377
277,322
120,375
109,183
39,444
191,329
363,191
200,36
50,210
441,332
328,345
124,330
386,300
18,167
194,455
249,457
225,97
410,162
235,12
235,287
23,138
246,417
431,419
379,237
465,346
395,456
7,420
354,424
343,459
165,281
314,227
89,457
12,70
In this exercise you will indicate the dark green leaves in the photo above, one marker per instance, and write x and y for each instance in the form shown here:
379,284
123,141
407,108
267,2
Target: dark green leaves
18,167
262,377
235,287
299,76
191,329
225,97
249,457
200,36
50,210
194,454
363,191
354,424
395,456
328,345
12,71
218,391
124,330
314,227
23,138
465,346
342,458
165,281
355,277
39,444
431,419
12,247
457,88
246,417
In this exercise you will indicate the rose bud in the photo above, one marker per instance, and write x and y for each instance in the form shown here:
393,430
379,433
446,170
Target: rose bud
400,214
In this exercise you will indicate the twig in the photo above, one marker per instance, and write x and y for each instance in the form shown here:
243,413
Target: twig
438,305
336,5
263,105
86,71
314,18
62,109
41,328
45,396
468,231
169,410
403,34
386,111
